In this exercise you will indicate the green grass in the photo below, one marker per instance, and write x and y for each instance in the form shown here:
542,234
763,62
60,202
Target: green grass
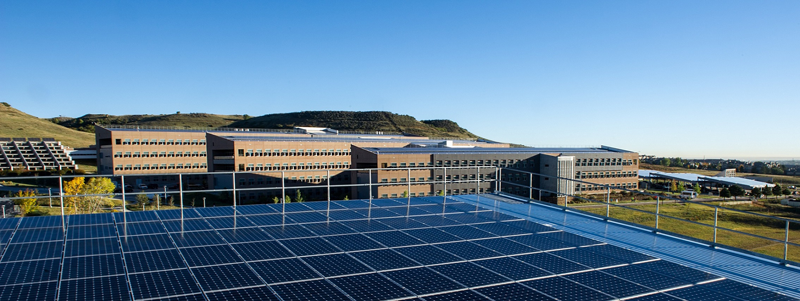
726,219
15,123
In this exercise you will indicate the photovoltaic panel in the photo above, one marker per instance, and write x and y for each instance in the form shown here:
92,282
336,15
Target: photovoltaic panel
353,242
564,289
402,223
5,235
512,268
255,209
30,292
291,269
336,265
465,295
551,263
252,293
209,255
744,291
468,250
496,216
214,211
504,246
103,288
461,206
587,258
619,253
346,215
315,290
608,284
291,207
9,223
467,232
29,271
470,274
677,271
512,292
422,281
176,214
386,203
467,218
89,219
309,246
322,206
287,231
142,228
394,238
529,226
379,213
435,220
145,242
428,254
571,239
269,219
261,250
501,229
230,222
384,259
85,247
174,226
646,277
92,266
91,231
364,226
243,235
432,235
306,217
138,262
197,239
408,211
163,284
370,287
328,228
700,293
225,277
37,235
193,297
136,216
537,241
656,297
353,204
40,222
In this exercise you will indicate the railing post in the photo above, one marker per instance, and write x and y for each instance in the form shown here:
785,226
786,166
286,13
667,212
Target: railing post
283,193
369,179
540,195
180,191
408,194
786,243
658,210
608,202
61,197
444,185
530,186
233,178
478,180
500,179
716,214
328,173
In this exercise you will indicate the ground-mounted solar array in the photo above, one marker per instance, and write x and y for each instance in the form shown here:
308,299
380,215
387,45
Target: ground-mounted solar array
418,249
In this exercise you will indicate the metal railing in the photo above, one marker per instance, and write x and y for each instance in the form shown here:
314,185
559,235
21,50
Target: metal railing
491,180
657,214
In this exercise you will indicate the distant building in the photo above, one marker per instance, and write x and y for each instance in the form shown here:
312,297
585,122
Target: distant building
34,154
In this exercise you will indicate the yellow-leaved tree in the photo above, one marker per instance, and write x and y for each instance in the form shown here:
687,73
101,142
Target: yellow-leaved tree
28,203
94,190
72,189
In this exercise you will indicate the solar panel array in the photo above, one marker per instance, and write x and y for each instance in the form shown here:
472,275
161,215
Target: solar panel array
416,249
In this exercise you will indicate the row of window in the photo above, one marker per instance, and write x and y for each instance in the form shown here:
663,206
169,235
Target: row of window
158,155
585,187
161,142
293,152
438,178
605,162
161,166
293,166
296,179
603,175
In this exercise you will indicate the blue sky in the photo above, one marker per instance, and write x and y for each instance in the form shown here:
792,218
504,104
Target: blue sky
668,78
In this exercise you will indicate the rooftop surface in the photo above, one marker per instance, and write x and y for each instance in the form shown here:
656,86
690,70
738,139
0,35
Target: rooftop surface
486,150
690,177
463,247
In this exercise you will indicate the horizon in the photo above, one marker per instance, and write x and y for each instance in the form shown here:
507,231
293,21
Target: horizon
674,79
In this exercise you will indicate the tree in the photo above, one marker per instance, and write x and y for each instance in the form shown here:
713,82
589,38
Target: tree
756,192
777,190
142,198
346,198
725,193
441,193
156,200
766,191
275,200
73,189
298,197
666,162
697,188
786,191
736,191
28,202
405,194
674,186
94,189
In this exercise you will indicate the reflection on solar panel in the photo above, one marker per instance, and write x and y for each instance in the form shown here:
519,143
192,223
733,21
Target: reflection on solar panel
396,249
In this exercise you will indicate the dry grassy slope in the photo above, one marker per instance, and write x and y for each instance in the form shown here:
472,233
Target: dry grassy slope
185,120
14,123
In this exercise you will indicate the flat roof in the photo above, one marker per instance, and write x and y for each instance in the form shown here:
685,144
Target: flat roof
738,181
694,178
343,138
482,150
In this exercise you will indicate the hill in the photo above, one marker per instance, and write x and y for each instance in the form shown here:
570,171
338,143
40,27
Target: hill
191,120
15,123
358,121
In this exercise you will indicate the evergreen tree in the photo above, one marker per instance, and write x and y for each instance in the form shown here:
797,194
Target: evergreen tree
725,193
